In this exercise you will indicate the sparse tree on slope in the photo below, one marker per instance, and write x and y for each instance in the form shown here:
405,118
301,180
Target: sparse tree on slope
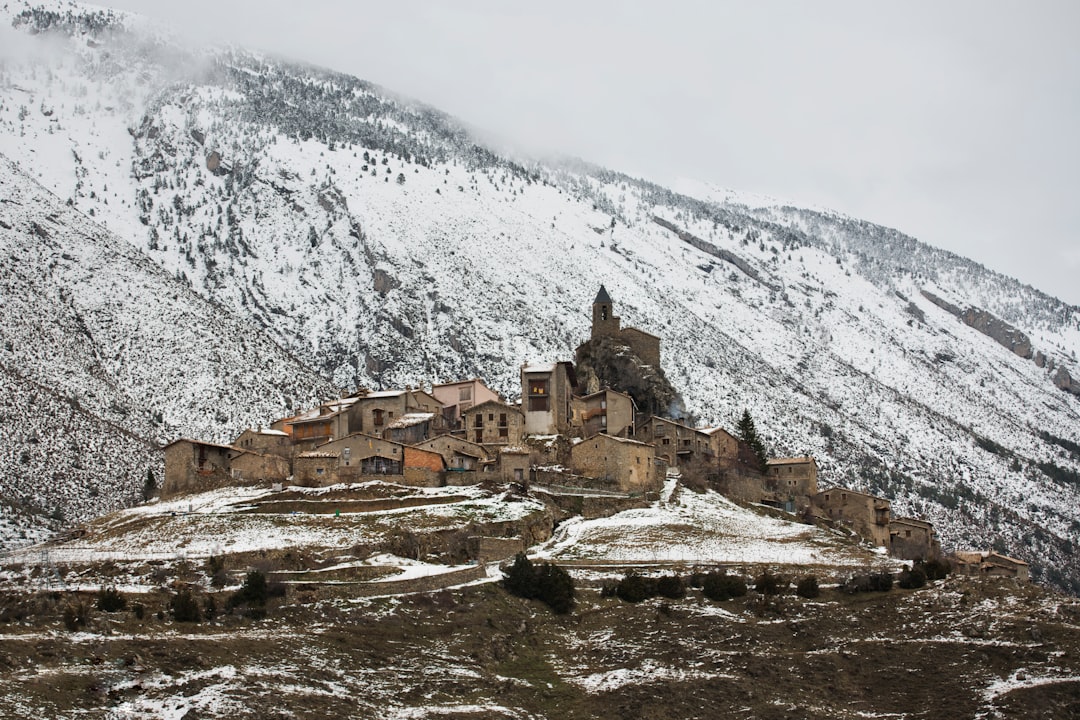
747,432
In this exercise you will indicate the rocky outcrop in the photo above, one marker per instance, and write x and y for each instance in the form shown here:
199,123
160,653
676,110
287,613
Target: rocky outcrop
999,330
1065,381
941,303
1040,359
707,247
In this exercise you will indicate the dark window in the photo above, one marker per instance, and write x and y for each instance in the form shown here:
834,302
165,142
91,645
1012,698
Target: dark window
479,436
479,422
378,416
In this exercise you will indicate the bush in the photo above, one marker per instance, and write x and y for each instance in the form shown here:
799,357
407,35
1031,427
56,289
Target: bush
936,569
634,588
555,587
808,587
184,607
253,592
520,579
913,578
671,586
139,610
876,582
697,580
548,583
109,600
721,586
769,584
75,615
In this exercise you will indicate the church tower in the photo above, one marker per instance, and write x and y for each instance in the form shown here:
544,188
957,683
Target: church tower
604,322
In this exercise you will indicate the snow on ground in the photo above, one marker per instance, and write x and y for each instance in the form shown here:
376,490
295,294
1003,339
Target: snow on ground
701,528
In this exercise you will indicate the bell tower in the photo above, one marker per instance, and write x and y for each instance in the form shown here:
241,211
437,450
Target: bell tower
604,322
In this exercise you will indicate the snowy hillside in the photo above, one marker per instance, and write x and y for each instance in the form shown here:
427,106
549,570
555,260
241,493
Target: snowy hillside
105,356
376,241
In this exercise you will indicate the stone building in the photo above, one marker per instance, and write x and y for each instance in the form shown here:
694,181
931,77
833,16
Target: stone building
911,539
621,462
864,513
514,463
459,454
792,480
607,412
546,392
494,423
606,325
457,397
414,427
266,440
361,457
371,412
193,466
676,443
991,564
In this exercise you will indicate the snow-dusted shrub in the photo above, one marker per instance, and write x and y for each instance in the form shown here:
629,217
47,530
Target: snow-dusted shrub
671,586
770,584
110,600
913,578
634,588
808,587
721,586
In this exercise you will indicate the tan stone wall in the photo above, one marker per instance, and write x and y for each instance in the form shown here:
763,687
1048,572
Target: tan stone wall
856,510
185,474
644,345
494,424
629,464
248,468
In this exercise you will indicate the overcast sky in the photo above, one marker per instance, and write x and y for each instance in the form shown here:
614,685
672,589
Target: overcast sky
956,122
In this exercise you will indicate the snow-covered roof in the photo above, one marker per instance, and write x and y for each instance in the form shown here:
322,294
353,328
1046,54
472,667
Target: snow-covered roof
410,419
514,450
271,431
790,461
316,454
384,394
540,367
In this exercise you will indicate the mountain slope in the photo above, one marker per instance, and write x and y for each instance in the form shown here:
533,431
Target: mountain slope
104,356
375,240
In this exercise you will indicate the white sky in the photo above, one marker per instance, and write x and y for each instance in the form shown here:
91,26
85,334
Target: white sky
955,122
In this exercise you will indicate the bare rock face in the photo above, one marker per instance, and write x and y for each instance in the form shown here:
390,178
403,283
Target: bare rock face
1040,359
1064,380
999,330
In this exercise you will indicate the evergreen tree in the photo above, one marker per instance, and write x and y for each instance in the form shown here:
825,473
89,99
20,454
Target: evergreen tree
150,485
520,580
748,433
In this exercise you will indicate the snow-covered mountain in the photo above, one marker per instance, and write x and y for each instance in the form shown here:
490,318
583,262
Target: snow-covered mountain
374,239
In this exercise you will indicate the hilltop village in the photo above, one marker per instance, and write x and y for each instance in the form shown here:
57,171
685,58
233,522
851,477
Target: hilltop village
463,433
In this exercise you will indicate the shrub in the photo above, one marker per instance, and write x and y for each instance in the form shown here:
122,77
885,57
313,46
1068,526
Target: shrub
109,600
808,587
139,610
877,582
634,588
555,587
520,579
697,580
769,584
936,569
548,583
671,586
913,578
184,607
721,586
253,592
75,615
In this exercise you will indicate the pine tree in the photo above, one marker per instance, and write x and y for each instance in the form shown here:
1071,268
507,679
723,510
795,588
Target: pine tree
748,433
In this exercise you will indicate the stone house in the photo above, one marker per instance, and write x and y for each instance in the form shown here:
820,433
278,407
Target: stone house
371,412
864,513
911,539
316,426
721,446
608,411
361,457
194,466
457,397
546,393
459,454
792,480
627,464
267,441
606,325
414,427
494,423
514,463
991,564
676,443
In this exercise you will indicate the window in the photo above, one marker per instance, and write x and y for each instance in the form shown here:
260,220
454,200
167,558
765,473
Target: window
479,421
491,417
378,416
504,432
479,436
465,393
502,420
538,387
667,441
345,454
